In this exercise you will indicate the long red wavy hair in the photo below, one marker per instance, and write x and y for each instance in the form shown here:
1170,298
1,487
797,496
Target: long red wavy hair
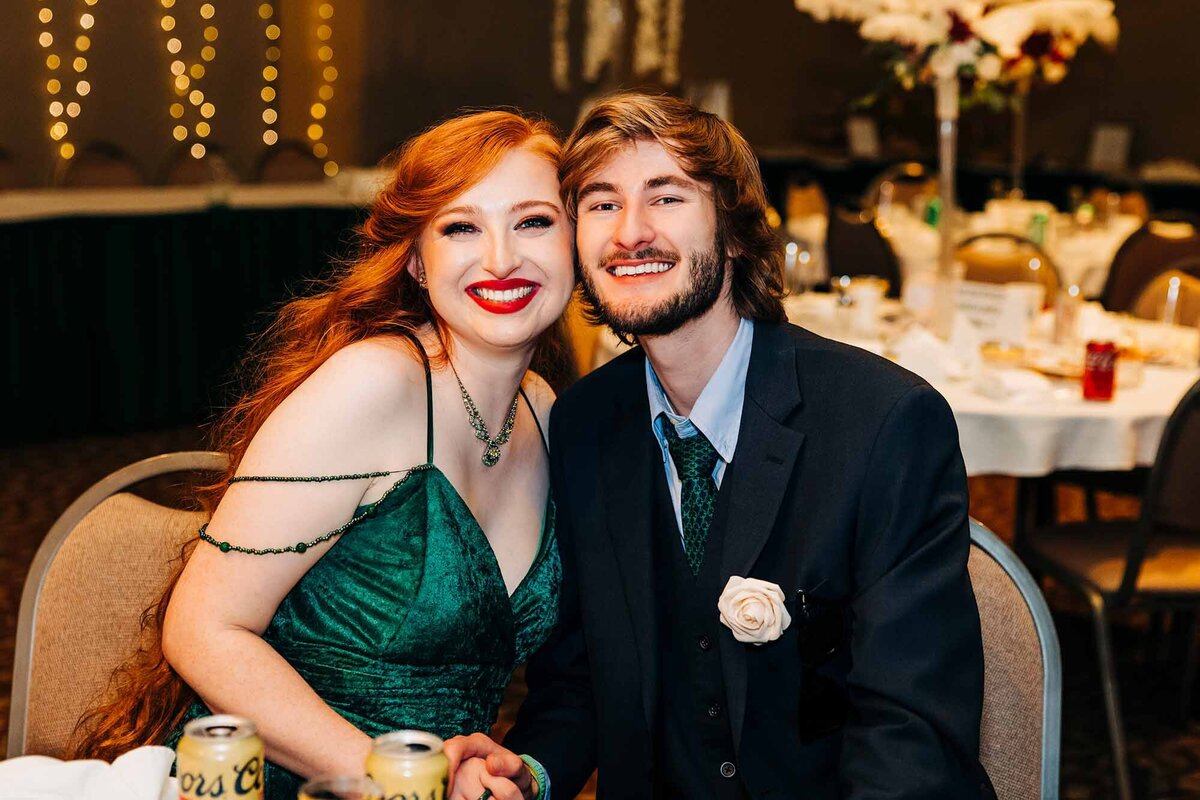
372,295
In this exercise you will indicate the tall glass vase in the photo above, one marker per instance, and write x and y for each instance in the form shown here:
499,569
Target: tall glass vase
948,276
1020,106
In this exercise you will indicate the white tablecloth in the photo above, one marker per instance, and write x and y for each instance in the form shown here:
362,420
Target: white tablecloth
1082,256
1023,440
1007,438
352,187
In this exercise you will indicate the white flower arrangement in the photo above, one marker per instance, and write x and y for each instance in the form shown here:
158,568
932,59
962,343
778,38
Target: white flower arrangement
1003,44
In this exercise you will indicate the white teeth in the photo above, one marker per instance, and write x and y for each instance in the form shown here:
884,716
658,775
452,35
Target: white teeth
642,269
507,296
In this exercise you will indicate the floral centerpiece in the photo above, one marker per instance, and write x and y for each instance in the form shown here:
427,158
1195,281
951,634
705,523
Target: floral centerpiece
994,51
984,44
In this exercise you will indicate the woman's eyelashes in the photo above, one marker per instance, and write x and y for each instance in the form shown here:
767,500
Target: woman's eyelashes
535,222
457,228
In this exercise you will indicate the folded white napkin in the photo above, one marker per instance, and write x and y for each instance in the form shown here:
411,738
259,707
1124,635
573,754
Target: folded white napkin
1012,385
919,351
141,774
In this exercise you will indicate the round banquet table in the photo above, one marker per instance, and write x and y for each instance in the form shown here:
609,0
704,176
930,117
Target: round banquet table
1008,438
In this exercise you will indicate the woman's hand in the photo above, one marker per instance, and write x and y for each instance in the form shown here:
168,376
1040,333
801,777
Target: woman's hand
479,765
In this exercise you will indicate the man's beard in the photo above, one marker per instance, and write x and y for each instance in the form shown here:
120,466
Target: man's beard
702,292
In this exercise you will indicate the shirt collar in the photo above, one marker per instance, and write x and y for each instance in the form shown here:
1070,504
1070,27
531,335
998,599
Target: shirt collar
718,410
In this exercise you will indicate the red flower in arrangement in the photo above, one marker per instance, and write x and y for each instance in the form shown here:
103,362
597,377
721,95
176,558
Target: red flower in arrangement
960,31
1039,44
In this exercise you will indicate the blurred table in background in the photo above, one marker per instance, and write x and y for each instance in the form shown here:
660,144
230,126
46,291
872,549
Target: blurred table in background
127,309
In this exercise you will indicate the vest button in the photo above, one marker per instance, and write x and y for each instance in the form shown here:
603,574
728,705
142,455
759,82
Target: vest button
728,770
714,710
705,643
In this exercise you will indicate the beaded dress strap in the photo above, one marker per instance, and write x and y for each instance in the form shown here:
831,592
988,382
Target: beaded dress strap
302,547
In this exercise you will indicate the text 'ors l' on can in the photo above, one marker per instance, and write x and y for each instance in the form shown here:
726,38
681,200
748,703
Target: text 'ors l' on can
409,764
1099,371
220,756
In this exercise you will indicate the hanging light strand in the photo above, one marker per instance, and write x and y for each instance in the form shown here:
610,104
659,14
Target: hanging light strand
66,85
190,110
318,111
272,35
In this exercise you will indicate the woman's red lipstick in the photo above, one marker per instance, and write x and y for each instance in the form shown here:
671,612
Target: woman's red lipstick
503,297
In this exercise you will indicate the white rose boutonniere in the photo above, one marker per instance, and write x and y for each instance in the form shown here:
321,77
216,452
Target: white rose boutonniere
753,610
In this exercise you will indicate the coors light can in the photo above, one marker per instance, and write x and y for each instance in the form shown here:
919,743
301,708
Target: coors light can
409,764
220,756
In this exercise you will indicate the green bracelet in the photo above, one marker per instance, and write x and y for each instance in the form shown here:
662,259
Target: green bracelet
539,774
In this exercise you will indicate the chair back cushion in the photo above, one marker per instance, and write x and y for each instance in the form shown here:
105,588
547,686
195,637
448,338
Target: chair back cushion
1172,297
110,568
854,246
1004,260
1144,255
1010,745
1173,502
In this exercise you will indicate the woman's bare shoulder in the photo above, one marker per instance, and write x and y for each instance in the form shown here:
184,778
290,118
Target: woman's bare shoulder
348,415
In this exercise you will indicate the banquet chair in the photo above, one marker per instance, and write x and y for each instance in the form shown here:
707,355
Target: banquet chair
1152,562
10,176
1147,253
1172,297
1007,258
904,182
185,170
805,197
98,165
289,161
104,561
1020,730
854,246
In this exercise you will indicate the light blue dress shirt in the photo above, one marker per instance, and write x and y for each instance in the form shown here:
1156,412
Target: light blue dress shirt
717,412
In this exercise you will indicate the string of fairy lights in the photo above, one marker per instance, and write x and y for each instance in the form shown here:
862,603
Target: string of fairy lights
191,117
270,73
191,111
65,86
318,110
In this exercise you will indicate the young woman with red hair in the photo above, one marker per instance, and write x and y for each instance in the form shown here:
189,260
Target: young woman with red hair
381,554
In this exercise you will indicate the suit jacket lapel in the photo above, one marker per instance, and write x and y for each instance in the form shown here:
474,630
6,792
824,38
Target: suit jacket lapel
631,466
764,462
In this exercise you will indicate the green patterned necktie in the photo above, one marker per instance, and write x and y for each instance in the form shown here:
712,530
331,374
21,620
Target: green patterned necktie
695,458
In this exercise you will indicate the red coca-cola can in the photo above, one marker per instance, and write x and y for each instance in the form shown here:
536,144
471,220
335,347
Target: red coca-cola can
1099,371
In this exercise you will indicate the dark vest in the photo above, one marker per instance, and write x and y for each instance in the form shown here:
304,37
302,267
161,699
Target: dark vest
695,755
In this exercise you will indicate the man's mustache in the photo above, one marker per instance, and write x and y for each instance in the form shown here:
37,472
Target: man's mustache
648,254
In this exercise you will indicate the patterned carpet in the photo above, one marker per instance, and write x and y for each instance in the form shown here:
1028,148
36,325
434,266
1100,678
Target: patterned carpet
41,480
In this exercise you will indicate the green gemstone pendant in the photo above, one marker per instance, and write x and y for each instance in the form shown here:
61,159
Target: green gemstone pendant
491,454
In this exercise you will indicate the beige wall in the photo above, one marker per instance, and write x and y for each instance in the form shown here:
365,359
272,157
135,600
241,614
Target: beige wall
406,63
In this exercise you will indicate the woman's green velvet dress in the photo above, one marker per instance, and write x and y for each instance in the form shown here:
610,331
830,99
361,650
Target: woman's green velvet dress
406,621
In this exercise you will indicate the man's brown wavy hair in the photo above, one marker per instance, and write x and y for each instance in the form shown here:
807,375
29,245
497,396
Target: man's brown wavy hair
710,151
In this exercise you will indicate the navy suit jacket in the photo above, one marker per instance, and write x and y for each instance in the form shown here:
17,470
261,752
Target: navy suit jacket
847,482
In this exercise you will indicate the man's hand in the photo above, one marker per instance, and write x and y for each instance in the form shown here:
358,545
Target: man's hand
477,764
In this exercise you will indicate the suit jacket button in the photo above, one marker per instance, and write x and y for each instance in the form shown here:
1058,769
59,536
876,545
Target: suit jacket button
728,770
714,710
705,643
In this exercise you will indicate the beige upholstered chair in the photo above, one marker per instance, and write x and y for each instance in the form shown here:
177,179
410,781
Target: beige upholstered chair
1152,562
102,564
289,161
1022,680
1173,296
1150,250
1007,258
902,184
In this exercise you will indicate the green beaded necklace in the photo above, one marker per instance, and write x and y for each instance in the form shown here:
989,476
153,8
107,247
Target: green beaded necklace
491,450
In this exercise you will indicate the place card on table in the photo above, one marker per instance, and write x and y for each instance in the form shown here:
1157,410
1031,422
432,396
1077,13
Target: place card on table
1001,312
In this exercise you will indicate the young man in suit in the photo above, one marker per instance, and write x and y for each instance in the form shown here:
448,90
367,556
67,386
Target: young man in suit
763,533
